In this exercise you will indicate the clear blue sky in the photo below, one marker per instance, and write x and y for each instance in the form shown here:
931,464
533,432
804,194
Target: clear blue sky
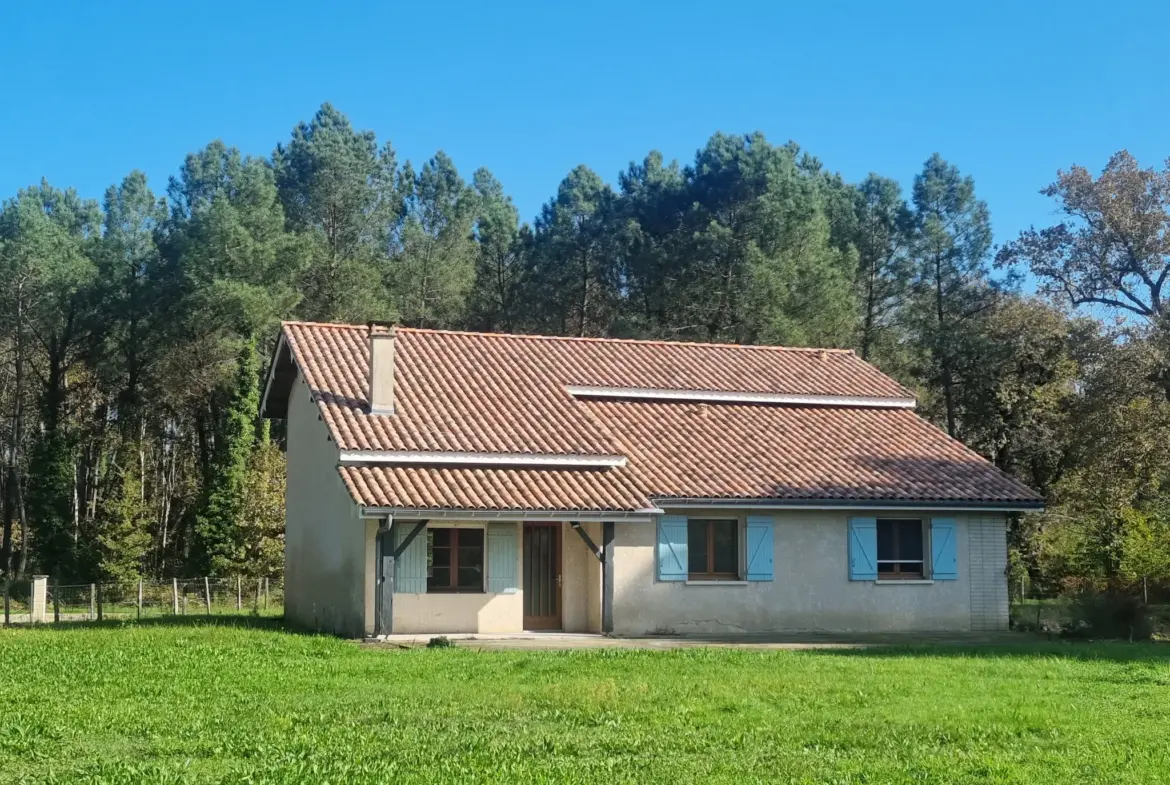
1008,91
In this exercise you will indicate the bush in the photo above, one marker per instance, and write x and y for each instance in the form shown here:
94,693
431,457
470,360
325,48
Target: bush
1110,615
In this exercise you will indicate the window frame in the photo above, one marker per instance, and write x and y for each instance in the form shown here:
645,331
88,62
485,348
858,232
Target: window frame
897,574
710,575
453,568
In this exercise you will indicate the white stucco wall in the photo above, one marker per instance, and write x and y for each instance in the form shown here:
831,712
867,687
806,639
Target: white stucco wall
811,590
328,555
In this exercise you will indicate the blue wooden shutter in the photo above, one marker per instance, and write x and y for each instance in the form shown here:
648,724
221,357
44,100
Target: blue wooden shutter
863,549
501,558
944,558
672,548
759,548
410,572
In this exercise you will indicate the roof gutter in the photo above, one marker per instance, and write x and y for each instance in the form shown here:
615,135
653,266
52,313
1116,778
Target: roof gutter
940,505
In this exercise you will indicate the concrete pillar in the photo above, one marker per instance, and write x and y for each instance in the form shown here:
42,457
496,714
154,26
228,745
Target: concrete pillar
38,608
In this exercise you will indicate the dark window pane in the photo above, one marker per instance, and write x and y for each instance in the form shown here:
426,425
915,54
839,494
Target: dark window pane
440,557
470,578
885,540
910,540
440,579
469,537
697,546
725,536
440,537
911,569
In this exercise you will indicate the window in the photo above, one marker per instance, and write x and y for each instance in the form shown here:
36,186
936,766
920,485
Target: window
712,550
900,545
455,560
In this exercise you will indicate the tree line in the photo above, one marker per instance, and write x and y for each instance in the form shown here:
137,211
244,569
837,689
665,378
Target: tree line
134,331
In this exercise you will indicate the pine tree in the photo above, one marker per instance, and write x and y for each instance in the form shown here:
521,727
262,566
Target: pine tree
218,522
433,268
951,283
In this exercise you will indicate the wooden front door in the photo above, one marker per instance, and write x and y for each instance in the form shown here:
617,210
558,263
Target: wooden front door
542,576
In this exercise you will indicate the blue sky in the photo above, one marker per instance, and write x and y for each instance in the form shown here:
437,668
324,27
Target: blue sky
1008,91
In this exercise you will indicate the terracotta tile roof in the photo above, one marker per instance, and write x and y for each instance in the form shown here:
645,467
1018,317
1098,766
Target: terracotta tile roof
488,393
441,488
730,451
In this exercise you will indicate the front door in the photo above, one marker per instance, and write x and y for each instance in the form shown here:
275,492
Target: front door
542,576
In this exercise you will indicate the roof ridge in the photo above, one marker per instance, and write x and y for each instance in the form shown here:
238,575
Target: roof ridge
581,338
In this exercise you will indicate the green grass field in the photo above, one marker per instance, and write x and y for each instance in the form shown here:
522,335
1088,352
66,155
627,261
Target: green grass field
170,703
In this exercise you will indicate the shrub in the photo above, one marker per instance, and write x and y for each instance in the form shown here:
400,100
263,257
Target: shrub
1110,615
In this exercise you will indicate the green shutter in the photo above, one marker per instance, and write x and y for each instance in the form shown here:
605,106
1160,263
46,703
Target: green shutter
410,571
944,557
672,548
759,548
501,558
863,549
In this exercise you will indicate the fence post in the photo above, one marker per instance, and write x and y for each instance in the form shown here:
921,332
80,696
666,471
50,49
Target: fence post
140,599
7,615
207,593
37,612
175,594
265,594
99,601
92,602
239,594
259,584
57,600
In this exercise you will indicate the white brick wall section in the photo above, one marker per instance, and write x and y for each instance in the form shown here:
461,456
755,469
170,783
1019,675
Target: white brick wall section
988,556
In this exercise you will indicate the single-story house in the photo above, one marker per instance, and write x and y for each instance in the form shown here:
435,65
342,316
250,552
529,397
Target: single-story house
454,482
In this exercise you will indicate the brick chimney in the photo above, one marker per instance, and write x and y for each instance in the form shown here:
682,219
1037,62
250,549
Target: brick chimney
381,369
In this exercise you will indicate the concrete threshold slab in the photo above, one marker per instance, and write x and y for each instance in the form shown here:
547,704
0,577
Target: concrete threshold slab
813,640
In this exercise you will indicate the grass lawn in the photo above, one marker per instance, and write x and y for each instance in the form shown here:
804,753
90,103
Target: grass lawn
157,702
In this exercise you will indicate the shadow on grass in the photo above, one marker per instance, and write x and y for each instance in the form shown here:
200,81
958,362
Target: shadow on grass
245,621
1115,651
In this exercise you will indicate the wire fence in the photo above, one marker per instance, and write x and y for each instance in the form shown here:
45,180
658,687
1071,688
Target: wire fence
41,601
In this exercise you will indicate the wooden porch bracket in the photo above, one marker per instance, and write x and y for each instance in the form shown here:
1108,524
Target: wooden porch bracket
592,546
387,558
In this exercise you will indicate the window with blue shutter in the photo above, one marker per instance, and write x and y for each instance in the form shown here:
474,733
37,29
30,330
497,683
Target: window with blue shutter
501,558
944,557
863,549
759,548
410,571
672,548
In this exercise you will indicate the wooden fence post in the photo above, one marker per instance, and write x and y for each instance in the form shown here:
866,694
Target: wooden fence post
140,600
7,615
239,594
92,602
259,584
265,594
207,593
99,602
175,593
57,601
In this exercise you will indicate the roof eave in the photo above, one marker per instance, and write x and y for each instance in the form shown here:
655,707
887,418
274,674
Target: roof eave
579,516
941,505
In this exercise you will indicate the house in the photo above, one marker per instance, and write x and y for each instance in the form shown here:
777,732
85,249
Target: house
445,482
